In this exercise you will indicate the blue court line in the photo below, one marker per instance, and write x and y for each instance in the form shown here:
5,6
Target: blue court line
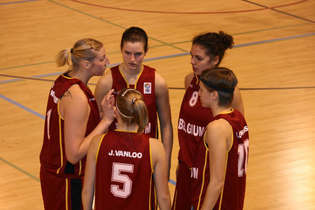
16,2
275,40
26,65
21,106
20,78
19,169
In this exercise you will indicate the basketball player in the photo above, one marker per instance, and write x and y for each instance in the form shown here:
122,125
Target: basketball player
223,160
207,51
133,74
124,164
72,120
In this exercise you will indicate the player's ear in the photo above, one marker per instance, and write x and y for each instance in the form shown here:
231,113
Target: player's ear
85,64
215,95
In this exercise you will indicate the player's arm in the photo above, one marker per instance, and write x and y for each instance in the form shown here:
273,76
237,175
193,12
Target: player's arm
218,138
89,175
75,111
160,174
104,84
237,102
164,113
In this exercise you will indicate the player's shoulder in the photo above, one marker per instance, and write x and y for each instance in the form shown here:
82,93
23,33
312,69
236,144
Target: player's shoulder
106,79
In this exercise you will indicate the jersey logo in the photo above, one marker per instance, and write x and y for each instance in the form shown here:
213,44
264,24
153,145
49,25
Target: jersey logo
147,87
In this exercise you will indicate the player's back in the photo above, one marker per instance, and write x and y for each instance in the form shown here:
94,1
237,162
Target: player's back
124,172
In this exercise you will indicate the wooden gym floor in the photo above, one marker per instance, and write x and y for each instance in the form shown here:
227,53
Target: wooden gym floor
273,59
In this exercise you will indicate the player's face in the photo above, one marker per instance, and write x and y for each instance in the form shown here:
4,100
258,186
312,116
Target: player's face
100,62
200,61
204,95
133,54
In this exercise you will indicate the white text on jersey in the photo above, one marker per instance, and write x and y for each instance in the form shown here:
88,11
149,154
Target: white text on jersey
121,153
190,128
242,132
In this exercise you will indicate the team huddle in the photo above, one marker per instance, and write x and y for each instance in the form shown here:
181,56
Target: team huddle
103,147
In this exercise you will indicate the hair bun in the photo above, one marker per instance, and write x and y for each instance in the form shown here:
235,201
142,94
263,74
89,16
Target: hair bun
227,40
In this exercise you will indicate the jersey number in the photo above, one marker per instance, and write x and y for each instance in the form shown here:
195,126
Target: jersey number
117,176
243,158
194,98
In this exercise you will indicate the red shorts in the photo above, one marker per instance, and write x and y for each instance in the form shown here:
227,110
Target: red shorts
183,190
59,192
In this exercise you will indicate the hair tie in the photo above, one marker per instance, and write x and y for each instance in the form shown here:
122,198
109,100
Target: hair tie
133,100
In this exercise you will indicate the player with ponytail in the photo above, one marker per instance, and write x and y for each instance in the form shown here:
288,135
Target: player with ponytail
125,165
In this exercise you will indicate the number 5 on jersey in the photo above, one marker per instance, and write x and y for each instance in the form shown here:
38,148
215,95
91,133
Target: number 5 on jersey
117,176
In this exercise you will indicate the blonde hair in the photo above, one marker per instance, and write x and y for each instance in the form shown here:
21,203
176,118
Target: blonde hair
132,109
83,49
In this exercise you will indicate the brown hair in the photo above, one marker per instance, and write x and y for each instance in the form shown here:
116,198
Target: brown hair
222,80
215,44
135,34
132,109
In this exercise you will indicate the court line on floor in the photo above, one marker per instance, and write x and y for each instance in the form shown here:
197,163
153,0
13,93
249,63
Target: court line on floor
19,78
19,169
185,12
156,46
16,2
21,106
114,24
279,11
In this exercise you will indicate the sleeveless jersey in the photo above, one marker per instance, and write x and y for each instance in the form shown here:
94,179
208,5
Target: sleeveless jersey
124,174
192,122
233,193
52,156
146,85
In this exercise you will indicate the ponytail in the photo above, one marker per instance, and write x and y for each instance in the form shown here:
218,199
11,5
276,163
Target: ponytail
63,58
141,114
132,108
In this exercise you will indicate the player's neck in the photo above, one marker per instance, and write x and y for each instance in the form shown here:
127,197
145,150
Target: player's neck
216,110
130,72
80,75
125,127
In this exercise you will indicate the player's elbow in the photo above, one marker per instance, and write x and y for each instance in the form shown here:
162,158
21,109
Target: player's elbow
218,184
73,158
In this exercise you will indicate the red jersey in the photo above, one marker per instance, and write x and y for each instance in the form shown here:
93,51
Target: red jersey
233,192
52,156
124,174
146,85
192,122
